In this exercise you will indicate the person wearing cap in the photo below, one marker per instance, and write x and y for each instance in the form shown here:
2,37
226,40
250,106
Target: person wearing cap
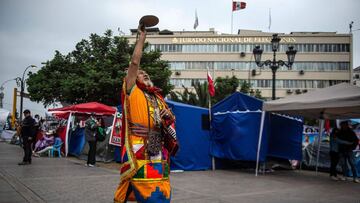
46,140
346,150
28,136
144,172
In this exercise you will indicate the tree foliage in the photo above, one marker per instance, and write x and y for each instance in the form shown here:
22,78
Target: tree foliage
224,87
94,71
199,97
258,94
245,87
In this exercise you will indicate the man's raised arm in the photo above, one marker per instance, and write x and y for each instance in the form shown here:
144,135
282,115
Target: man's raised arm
135,59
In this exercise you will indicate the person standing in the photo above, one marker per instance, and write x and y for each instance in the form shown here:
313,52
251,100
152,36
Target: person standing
334,154
346,150
144,172
91,127
28,136
101,132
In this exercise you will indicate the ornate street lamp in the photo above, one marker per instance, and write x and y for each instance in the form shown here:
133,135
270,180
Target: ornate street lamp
274,64
2,91
22,90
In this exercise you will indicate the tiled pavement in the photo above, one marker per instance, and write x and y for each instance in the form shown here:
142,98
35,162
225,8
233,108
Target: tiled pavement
68,180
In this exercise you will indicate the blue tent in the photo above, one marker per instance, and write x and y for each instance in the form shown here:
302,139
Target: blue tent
235,131
285,139
237,102
193,140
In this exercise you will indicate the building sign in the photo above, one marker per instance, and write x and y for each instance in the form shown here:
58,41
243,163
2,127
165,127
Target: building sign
226,40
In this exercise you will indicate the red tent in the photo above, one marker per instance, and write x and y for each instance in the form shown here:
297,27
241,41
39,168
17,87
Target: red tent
65,113
91,107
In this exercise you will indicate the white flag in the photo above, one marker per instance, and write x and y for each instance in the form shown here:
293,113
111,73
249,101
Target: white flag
269,18
196,20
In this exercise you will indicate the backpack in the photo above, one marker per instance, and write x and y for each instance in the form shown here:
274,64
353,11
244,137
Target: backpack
101,134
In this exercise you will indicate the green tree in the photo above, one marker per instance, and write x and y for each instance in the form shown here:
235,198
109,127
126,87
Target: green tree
224,87
199,97
94,71
245,87
201,90
258,94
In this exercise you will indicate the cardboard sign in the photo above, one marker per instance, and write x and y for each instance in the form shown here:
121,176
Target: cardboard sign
115,136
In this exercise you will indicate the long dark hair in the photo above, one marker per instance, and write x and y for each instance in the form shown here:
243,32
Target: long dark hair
102,122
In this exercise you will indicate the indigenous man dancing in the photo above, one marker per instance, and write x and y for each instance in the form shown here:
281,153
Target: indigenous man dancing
144,173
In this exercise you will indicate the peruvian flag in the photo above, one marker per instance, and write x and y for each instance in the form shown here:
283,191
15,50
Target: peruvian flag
237,5
327,126
211,87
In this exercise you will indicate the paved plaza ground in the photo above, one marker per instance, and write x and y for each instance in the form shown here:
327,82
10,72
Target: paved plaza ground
68,180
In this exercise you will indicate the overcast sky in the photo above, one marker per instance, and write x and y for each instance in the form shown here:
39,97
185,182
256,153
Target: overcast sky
31,30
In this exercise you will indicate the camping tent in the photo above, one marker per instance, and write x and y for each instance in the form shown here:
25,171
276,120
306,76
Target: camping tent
193,137
235,131
235,123
4,114
75,144
5,133
335,102
91,107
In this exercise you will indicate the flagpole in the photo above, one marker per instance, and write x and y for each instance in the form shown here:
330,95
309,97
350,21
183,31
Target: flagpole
209,107
209,96
212,158
232,16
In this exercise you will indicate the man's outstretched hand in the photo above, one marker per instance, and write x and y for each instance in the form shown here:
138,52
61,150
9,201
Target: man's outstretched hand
141,29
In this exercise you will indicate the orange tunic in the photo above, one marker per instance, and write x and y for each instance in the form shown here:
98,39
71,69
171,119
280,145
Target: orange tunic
147,175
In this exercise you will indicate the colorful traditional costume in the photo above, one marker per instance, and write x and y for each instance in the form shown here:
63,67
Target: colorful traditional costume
144,173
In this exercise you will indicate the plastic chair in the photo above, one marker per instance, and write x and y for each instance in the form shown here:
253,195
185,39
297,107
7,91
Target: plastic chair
56,147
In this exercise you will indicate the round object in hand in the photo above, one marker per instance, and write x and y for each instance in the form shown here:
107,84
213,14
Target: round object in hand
149,21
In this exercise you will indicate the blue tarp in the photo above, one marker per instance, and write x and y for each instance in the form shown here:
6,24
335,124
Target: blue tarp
235,131
285,137
235,136
194,141
237,102
77,141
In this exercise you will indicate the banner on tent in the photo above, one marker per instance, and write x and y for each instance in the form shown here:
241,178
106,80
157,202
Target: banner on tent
115,136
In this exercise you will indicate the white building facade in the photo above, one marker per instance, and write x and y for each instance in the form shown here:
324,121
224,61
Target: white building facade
323,58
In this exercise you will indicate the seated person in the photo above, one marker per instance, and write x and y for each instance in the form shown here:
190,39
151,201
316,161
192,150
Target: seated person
56,139
45,141
46,149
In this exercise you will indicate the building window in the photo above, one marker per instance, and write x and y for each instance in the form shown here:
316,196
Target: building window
246,65
236,48
179,83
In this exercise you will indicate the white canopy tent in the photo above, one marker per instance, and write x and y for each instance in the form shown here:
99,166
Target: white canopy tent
340,101
3,117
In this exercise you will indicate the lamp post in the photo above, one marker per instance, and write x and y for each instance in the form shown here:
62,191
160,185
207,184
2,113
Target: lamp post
274,64
22,90
2,90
